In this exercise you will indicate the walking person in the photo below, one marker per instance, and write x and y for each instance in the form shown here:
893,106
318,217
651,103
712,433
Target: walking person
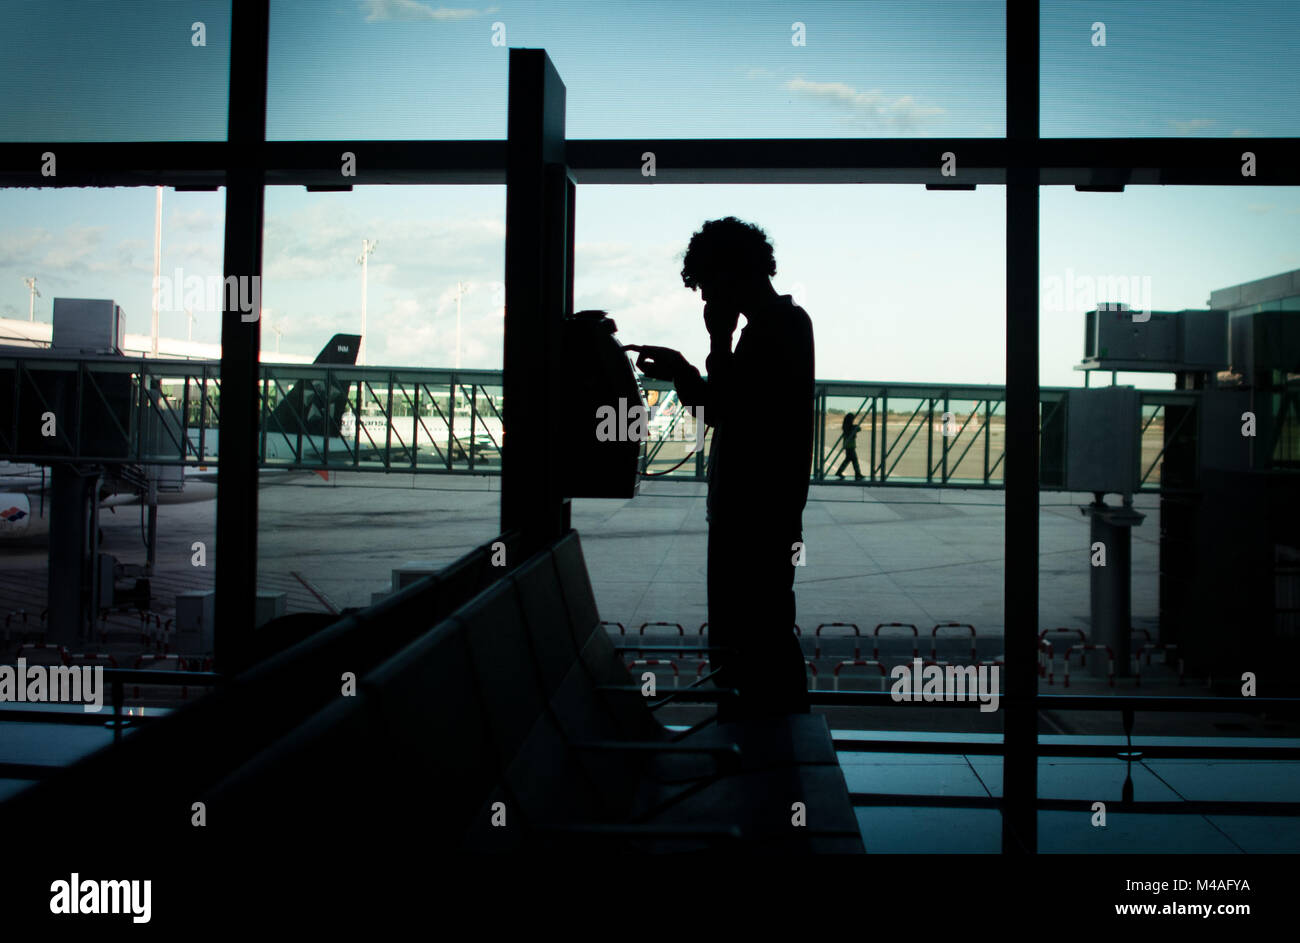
850,435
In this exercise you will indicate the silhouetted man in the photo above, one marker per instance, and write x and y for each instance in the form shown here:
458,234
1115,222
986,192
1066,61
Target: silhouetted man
850,431
758,399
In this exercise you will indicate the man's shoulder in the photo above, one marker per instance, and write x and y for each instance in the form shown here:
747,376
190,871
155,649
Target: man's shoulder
799,320
787,304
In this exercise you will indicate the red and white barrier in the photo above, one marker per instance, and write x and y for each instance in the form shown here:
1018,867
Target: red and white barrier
875,648
656,663
42,653
1046,660
858,663
681,632
91,659
9,619
934,639
1081,649
817,645
1083,636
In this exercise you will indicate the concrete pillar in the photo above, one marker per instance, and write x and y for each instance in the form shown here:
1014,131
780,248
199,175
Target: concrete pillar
1112,584
69,561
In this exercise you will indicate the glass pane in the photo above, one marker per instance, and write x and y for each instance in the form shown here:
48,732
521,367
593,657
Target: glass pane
1200,68
770,69
1194,363
90,413
149,70
913,545
383,452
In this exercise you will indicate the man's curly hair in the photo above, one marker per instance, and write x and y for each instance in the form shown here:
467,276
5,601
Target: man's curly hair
727,247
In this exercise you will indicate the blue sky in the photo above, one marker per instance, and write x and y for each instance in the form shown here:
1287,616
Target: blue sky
902,284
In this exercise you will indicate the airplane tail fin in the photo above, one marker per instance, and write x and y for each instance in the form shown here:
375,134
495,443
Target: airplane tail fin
341,349
315,407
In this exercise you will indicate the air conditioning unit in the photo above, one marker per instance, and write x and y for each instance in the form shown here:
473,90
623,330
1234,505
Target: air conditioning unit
1118,338
88,325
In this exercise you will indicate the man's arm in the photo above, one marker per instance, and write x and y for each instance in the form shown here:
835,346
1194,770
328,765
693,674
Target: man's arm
709,395
715,395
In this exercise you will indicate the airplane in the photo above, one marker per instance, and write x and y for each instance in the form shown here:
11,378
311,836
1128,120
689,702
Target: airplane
313,425
309,414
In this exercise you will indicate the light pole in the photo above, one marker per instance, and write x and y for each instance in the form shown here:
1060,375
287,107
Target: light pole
461,289
31,304
157,261
367,247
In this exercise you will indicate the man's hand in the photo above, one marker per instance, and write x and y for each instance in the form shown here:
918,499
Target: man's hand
721,321
659,363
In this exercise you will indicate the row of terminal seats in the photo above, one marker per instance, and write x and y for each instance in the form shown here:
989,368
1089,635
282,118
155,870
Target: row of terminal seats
508,724
147,783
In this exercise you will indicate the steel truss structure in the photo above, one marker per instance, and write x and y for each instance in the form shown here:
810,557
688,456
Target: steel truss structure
405,419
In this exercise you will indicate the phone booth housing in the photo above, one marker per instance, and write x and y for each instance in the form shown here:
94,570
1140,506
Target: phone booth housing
597,378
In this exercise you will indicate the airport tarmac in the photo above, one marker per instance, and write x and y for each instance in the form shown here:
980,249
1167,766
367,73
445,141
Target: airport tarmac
911,555
873,554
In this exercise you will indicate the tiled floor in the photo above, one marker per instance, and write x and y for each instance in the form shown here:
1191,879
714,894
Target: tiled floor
873,555
916,830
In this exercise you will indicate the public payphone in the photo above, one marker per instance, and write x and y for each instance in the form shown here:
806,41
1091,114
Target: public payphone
602,403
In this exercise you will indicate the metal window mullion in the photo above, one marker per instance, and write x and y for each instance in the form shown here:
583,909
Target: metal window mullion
1020,535
362,386
388,425
262,421
1066,161
203,416
237,472
944,430
185,420
473,417
884,435
929,442
415,427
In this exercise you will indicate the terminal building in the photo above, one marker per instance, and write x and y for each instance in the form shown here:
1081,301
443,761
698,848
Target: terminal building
511,689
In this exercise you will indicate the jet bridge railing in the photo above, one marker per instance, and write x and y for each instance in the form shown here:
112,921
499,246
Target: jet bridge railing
116,410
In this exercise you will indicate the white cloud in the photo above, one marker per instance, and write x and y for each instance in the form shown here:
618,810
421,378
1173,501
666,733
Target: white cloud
414,10
19,247
192,220
1192,124
76,250
901,112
